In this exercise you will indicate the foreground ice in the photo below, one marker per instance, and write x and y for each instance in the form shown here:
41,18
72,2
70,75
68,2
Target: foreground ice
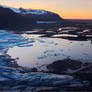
16,78
9,39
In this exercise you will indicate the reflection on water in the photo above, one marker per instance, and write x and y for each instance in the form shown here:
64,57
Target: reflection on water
46,50
32,50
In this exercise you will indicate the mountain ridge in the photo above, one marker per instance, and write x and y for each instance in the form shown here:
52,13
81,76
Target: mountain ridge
10,16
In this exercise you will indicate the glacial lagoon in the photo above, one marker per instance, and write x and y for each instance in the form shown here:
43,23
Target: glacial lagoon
31,50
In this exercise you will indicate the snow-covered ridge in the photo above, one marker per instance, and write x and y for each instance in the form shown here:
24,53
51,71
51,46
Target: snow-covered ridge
28,11
13,9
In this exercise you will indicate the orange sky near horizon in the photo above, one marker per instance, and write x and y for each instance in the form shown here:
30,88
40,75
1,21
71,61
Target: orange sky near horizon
73,9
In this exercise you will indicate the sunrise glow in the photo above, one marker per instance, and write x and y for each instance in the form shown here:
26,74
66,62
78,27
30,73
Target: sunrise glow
74,9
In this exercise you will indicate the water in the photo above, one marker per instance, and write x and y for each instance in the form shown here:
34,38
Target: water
9,39
34,51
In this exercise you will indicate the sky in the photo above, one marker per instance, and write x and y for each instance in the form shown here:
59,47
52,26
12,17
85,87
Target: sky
68,9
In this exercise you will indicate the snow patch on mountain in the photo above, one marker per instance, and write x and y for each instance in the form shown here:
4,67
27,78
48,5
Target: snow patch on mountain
28,11
13,9
34,11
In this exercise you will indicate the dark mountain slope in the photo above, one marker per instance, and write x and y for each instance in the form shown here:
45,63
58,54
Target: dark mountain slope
11,17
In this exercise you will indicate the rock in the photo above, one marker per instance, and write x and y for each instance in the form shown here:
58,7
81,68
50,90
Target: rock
62,66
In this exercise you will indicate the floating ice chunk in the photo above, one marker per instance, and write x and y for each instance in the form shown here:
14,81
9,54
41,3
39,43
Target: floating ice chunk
47,51
51,42
57,54
42,57
60,29
25,44
9,39
49,54
41,41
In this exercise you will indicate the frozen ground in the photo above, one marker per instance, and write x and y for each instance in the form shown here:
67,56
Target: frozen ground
14,78
31,51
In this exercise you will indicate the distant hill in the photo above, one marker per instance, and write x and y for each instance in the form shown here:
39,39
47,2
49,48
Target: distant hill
18,16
